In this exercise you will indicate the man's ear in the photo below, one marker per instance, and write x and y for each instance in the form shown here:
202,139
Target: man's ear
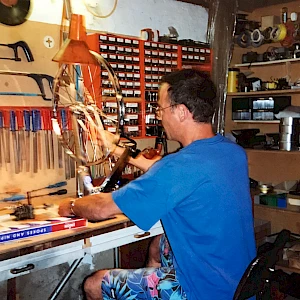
183,112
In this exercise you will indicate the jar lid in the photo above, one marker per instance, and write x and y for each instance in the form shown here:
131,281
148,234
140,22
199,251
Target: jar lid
234,69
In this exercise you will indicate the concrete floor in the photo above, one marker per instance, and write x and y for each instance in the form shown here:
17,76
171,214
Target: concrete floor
39,285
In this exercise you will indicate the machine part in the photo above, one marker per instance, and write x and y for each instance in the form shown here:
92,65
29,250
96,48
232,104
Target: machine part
23,212
15,47
15,14
38,78
110,182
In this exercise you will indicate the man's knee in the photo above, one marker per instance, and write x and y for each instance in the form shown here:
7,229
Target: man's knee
92,285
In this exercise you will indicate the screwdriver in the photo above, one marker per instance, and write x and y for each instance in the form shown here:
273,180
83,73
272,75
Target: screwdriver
22,197
52,186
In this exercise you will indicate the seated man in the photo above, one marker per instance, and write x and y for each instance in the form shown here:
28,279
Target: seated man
201,195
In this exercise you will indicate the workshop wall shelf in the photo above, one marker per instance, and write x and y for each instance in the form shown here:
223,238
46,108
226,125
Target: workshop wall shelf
264,63
139,66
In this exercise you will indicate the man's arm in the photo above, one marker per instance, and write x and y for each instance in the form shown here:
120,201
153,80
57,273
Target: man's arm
94,207
140,161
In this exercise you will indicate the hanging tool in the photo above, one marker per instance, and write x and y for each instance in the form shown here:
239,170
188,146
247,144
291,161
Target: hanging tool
38,78
7,135
70,133
34,123
21,138
64,123
13,129
59,146
15,198
15,46
39,128
26,115
1,138
51,186
46,136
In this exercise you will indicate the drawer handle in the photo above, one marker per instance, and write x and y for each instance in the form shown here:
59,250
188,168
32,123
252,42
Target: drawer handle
20,270
139,236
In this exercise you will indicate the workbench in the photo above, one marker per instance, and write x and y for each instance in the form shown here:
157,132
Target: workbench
40,252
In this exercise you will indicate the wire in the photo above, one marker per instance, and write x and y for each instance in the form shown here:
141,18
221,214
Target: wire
100,16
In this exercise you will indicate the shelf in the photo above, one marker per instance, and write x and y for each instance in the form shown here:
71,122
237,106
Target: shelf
270,92
264,63
257,121
277,152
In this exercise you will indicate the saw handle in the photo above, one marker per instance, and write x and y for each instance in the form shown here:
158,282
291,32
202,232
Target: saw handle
39,80
24,47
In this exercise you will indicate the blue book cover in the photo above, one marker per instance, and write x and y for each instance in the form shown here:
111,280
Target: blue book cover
24,233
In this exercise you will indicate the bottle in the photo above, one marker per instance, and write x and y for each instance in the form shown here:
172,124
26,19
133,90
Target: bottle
284,15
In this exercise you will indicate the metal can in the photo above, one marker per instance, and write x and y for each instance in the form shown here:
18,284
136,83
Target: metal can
233,81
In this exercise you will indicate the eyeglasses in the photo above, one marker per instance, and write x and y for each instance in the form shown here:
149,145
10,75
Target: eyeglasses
159,109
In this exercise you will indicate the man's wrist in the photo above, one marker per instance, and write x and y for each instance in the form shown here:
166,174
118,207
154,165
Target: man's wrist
72,206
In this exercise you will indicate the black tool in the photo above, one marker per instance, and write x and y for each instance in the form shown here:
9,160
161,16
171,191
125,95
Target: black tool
15,46
14,14
38,78
59,192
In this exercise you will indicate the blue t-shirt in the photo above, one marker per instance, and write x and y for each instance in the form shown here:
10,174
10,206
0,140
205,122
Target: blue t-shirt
202,196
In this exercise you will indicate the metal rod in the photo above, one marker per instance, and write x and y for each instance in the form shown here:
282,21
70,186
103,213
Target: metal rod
65,279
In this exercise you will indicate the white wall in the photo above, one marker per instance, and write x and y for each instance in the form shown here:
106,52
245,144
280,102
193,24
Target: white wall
131,16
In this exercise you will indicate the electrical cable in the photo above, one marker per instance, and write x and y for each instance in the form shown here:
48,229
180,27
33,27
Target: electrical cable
101,16
257,38
244,39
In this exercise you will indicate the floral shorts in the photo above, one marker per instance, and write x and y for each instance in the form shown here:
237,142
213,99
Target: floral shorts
147,283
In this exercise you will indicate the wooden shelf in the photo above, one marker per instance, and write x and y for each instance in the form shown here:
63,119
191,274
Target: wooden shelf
270,92
258,121
264,63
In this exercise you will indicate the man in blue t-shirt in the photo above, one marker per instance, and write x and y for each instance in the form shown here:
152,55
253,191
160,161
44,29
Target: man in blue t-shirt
201,195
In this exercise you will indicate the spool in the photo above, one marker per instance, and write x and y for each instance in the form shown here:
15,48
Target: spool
289,134
233,80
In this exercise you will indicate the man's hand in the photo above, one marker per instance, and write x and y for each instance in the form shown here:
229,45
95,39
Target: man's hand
64,209
111,141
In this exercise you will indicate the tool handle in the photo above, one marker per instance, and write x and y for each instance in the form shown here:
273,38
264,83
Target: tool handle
25,48
26,114
1,120
39,120
69,117
55,185
34,120
6,118
20,119
59,192
64,120
46,116
12,115
14,198
39,80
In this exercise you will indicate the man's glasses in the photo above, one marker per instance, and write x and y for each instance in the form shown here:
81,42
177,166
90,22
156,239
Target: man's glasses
159,109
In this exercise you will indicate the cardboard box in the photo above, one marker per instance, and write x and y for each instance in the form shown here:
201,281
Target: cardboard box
269,21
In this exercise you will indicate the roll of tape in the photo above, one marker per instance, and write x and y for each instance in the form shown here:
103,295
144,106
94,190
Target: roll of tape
257,38
278,33
244,39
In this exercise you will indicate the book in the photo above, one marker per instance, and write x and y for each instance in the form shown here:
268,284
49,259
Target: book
12,231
